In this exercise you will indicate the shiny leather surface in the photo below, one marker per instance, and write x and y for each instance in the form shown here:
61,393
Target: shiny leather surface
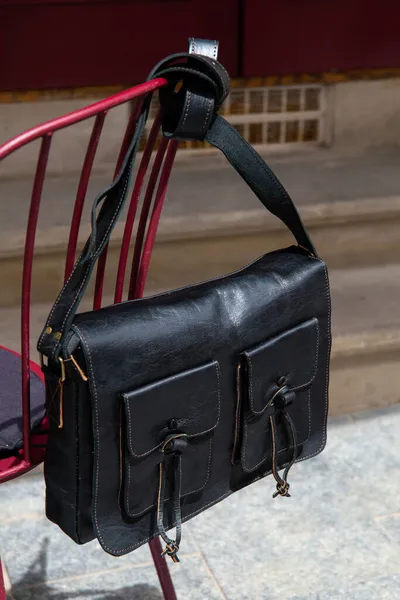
191,400
194,104
208,80
291,359
136,343
292,355
68,464
188,402
202,363
204,76
204,47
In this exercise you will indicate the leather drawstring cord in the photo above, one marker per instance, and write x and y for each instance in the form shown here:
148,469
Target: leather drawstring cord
280,401
174,444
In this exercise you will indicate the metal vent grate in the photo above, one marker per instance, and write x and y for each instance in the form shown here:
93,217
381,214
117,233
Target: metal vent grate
272,116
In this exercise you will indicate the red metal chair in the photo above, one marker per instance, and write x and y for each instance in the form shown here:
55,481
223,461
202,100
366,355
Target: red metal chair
28,435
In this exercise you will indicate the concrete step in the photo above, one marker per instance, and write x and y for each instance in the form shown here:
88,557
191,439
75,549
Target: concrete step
212,223
194,247
366,336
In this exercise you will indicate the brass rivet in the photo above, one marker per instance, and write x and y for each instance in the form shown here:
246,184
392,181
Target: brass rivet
58,335
49,330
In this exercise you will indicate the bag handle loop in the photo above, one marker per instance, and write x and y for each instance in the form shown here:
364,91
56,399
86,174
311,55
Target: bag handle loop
205,86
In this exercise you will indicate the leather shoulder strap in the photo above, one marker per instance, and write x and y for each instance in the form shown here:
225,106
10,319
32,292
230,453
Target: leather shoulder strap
205,86
110,202
197,103
259,177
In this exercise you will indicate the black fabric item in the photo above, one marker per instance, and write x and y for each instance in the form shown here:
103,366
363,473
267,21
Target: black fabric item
11,401
173,402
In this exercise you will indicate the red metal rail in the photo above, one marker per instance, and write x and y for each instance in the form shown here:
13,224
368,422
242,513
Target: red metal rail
30,456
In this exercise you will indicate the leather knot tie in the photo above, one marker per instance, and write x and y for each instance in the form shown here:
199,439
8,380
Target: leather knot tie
172,448
279,402
198,85
282,489
172,551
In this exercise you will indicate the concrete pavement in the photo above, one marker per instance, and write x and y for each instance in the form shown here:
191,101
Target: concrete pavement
336,538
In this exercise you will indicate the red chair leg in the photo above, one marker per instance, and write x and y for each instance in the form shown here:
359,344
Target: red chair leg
2,586
162,570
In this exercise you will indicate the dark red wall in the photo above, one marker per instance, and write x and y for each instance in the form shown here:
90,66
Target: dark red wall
315,36
73,43
59,43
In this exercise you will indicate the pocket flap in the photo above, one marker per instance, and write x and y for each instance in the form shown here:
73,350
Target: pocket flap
292,355
187,402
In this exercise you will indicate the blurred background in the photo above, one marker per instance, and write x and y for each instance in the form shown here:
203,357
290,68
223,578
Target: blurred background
315,88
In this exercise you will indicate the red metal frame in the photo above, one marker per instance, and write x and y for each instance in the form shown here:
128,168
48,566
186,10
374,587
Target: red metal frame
2,586
154,220
81,193
126,239
31,455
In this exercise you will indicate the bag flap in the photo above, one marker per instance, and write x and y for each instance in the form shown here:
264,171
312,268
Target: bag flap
188,402
292,355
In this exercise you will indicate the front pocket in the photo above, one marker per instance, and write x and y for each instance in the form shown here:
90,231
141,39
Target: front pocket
287,361
186,403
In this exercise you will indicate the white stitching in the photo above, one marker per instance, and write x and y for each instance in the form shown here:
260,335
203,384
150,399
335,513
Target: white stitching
187,108
208,114
93,382
237,417
95,499
191,287
95,255
215,49
298,387
86,274
196,435
207,60
327,294
268,453
327,364
304,385
58,298
215,63
226,90
128,491
193,435
226,494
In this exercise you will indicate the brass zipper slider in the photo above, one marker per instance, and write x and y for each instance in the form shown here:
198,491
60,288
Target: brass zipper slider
61,401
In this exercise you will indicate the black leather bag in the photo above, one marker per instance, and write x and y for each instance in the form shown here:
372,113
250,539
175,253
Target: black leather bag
170,403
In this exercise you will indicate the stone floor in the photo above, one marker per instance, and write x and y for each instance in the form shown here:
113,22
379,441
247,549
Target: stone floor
336,538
